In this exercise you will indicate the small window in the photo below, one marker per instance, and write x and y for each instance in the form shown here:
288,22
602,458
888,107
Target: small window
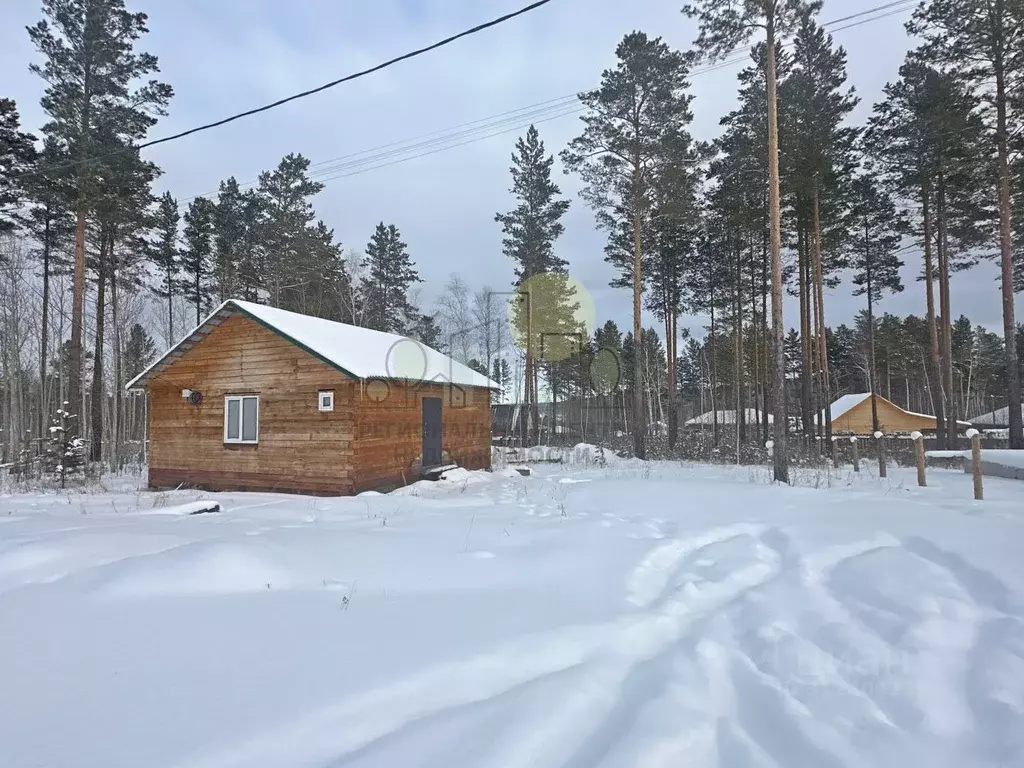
326,400
241,419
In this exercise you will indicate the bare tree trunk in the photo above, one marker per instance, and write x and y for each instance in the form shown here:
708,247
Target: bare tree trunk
935,375
807,366
819,282
741,412
670,347
780,451
116,420
44,334
871,348
946,338
638,277
766,387
757,345
714,378
96,415
1013,387
75,393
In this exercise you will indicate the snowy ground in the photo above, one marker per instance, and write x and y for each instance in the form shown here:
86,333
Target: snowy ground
634,615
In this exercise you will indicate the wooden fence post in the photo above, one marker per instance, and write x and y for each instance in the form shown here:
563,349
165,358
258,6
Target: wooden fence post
835,452
975,437
883,469
918,439
856,454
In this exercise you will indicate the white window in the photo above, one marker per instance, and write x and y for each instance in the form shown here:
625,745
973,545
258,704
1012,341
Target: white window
326,400
241,419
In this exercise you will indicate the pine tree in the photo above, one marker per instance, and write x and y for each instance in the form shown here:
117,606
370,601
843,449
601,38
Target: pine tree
229,227
741,199
51,225
320,280
287,213
390,275
819,168
532,227
120,217
65,451
675,227
925,138
92,69
139,351
636,117
165,256
17,158
724,25
502,375
982,41
530,231
252,249
877,229
425,330
197,255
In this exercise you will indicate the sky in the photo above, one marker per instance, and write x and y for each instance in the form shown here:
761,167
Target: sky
225,56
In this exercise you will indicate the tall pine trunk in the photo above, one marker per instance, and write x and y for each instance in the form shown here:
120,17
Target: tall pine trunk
1013,387
819,282
946,335
75,394
670,345
96,413
714,376
44,334
871,332
638,277
741,413
807,365
935,371
755,355
766,386
116,416
780,450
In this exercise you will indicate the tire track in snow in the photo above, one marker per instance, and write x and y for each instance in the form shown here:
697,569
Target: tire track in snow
603,657
650,579
352,724
582,728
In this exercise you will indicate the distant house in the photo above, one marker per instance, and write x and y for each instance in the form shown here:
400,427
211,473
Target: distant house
257,398
998,419
851,415
728,417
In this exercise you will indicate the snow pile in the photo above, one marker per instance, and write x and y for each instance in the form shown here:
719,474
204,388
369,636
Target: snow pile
189,508
1007,458
690,617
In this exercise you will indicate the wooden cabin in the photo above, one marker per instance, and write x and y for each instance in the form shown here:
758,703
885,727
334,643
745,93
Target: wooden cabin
261,399
851,415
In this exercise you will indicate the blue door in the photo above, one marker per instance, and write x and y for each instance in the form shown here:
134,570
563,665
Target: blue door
431,432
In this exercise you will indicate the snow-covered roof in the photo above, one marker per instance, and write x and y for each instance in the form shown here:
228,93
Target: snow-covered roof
359,352
1000,416
846,403
727,417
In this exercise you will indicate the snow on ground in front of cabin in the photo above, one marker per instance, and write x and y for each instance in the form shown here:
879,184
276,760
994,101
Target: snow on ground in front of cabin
632,615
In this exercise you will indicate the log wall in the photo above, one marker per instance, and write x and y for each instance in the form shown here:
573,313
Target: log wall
372,438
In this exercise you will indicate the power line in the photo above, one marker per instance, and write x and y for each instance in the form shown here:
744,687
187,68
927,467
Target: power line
348,78
559,102
389,154
450,138
907,4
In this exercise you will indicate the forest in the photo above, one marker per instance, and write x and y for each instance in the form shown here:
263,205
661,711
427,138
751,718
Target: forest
100,271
